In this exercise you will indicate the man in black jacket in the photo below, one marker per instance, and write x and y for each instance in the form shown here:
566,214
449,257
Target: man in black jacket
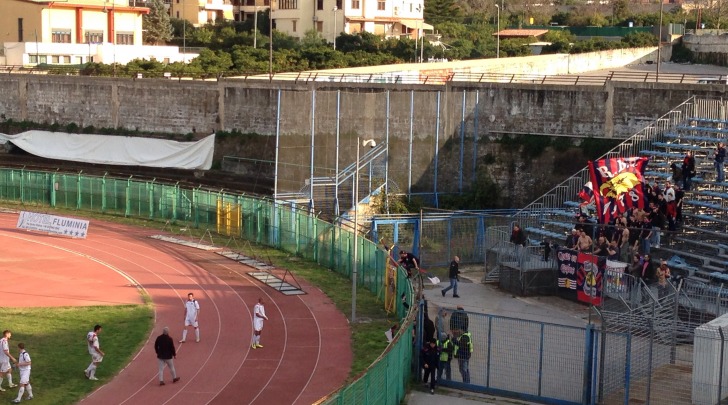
430,359
454,277
164,347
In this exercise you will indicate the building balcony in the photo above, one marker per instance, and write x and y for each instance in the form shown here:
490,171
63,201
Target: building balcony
220,5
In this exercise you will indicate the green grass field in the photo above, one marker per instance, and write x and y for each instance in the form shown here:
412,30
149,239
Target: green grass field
55,338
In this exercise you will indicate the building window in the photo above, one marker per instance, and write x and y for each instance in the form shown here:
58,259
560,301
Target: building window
249,2
355,4
20,30
288,4
79,60
178,15
33,59
67,59
319,4
94,37
55,59
381,4
320,26
43,59
124,38
61,36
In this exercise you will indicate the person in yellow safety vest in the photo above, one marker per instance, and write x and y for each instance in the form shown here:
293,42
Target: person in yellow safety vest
446,349
462,352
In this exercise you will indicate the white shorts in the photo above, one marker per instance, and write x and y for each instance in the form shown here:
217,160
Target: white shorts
5,366
190,322
97,358
258,324
24,376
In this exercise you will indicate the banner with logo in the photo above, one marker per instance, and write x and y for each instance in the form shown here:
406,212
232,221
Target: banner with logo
617,184
590,278
33,221
567,260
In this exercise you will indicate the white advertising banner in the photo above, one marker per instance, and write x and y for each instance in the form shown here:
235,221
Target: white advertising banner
33,221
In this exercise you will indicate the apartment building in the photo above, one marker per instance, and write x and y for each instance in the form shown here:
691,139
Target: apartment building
76,32
201,12
389,18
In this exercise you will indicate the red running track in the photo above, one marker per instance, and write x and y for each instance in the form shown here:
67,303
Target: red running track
296,366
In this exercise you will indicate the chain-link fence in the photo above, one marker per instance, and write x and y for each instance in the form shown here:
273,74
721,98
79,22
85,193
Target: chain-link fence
662,344
536,360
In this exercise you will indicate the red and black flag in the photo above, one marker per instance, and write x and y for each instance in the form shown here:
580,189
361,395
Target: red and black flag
618,185
587,193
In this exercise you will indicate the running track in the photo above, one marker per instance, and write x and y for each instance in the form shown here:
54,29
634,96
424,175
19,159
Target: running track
307,351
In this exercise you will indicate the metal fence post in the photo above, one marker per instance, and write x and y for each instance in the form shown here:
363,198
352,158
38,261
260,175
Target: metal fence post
627,368
78,190
418,336
650,354
720,368
588,349
54,190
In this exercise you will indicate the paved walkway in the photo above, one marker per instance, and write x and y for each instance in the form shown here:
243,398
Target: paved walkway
488,299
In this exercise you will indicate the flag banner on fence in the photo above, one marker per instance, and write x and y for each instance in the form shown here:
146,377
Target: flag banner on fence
33,221
567,261
614,277
618,185
590,278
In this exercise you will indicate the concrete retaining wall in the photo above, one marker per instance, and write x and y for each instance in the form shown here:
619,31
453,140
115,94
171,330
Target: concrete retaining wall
432,129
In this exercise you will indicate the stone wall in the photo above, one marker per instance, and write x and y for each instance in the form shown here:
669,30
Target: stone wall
431,129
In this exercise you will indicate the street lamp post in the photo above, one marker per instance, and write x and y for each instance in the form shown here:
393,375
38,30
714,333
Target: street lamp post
184,34
422,48
270,42
659,43
497,33
355,266
255,25
335,10
419,9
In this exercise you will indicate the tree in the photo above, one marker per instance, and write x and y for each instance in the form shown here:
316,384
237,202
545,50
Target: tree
213,63
439,11
620,9
639,39
157,25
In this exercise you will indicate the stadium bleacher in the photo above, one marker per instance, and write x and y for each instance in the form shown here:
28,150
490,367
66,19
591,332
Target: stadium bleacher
699,247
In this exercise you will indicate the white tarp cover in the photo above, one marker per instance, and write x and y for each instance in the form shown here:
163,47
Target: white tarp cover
116,150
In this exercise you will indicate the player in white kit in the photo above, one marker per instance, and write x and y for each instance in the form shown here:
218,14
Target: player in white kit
258,317
97,356
5,359
24,369
192,311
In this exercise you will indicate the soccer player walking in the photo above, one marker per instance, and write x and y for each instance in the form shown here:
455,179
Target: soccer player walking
24,368
97,356
5,359
192,311
258,317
